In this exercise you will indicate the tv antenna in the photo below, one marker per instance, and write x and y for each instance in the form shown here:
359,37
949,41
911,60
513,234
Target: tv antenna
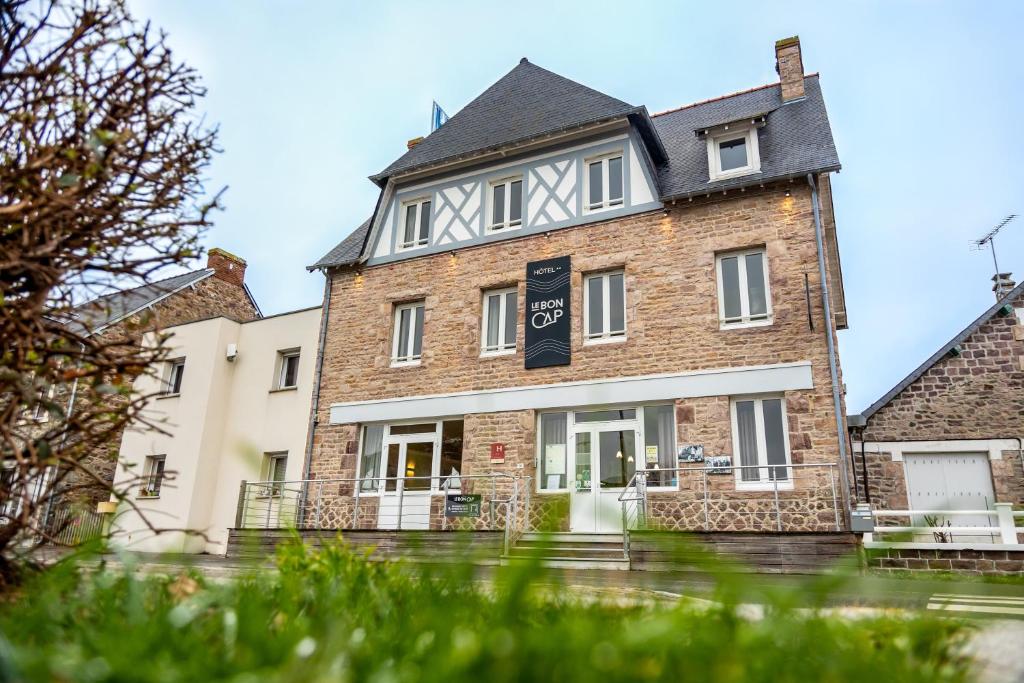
989,240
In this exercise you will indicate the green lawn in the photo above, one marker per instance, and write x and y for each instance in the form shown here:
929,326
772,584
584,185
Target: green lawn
332,615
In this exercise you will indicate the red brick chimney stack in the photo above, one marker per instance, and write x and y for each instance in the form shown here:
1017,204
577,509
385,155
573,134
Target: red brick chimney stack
226,266
790,66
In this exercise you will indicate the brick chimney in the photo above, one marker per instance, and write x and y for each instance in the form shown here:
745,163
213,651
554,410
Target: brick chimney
226,266
1002,283
415,141
790,66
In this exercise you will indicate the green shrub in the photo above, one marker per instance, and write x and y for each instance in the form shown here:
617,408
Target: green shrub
331,615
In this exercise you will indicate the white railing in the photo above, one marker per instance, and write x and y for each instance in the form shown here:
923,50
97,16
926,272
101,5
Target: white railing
1002,533
490,502
786,488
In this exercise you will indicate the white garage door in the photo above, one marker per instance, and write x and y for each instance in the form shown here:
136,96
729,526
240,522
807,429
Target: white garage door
951,481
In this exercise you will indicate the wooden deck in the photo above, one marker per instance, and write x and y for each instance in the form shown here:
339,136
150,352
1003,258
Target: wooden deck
772,553
438,546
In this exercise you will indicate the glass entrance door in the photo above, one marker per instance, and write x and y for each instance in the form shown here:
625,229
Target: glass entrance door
405,501
604,458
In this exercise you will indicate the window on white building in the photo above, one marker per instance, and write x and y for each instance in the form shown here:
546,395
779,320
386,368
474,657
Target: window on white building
416,225
506,205
275,469
174,374
152,476
498,327
604,182
761,442
287,369
407,339
743,295
604,307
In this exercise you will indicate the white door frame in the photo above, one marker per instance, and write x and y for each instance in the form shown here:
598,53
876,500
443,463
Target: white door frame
595,501
415,505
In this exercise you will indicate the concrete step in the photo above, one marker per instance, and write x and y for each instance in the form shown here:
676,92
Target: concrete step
574,538
583,552
572,563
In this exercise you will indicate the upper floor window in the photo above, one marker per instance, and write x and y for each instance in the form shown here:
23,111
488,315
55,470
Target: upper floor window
733,153
407,339
506,204
287,369
604,307
498,333
172,378
743,296
761,440
416,228
604,182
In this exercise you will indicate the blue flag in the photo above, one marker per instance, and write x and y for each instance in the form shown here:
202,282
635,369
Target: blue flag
437,117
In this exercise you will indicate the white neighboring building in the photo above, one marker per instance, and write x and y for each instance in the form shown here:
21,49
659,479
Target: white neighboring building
235,404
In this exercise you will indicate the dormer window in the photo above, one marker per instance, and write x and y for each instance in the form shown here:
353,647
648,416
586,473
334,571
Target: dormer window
416,230
604,182
733,152
506,204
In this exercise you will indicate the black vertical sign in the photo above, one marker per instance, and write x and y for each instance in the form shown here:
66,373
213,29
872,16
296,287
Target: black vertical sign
547,312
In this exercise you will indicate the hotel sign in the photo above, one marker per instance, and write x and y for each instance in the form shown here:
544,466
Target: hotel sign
547,312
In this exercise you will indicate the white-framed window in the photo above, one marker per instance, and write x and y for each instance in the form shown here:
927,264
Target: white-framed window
505,204
570,444
173,376
498,322
415,223
733,153
152,476
424,456
603,182
407,337
761,442
14,483
744,298
604,307
41,410
287,369
275,470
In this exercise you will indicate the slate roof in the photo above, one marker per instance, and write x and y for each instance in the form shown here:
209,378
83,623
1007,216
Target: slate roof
796,139
941,353
525,103
107,309
530,101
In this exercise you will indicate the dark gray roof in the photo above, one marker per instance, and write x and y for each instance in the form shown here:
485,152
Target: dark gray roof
526,102
108,309
530,101
1009,297
796,139
348,250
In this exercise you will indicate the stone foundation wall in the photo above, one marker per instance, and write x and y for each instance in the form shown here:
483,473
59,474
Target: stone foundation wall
1005,562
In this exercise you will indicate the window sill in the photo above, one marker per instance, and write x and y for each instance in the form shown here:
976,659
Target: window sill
160,397
601,209
737,173
280,389
598,341
501,229
745,324
412,247
498,354
147,496
405,363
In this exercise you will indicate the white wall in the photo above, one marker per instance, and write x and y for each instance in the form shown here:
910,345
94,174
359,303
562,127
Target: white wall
227,416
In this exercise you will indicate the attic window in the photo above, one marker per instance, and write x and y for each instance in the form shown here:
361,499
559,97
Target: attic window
416,229
603,180
733,152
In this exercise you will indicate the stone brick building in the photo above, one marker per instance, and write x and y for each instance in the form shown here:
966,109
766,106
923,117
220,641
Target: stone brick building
216,290
948,436
560,290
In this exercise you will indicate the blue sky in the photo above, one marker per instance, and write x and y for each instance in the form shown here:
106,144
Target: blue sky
925,100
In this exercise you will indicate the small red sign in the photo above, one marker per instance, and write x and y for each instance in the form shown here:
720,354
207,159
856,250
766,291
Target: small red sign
497,452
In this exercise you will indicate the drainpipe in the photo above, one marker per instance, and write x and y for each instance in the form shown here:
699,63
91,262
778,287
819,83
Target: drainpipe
315,407
832,362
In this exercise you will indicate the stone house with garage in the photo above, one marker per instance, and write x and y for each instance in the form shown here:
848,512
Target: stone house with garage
564,298
217,290
948,436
